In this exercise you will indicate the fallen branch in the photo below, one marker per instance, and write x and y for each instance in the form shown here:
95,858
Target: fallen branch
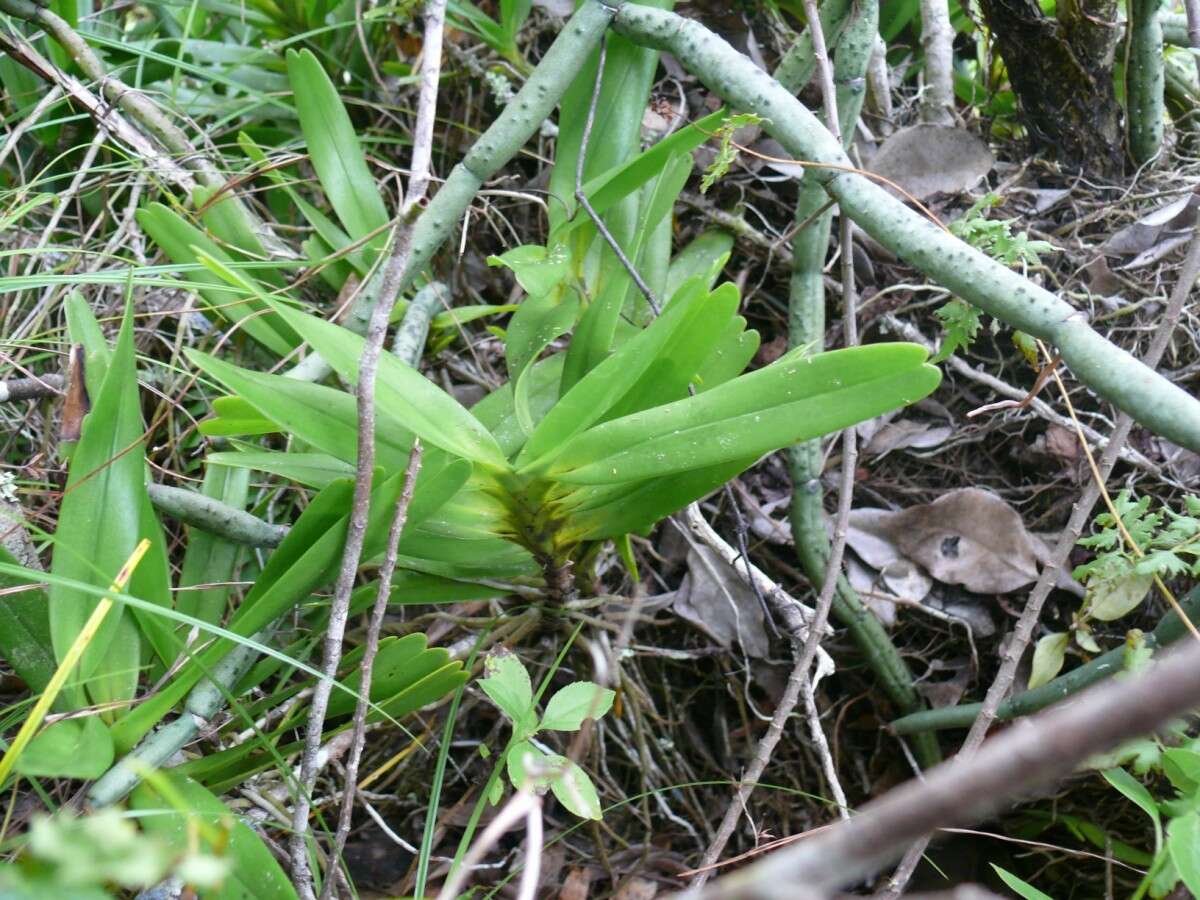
963,791
1104,666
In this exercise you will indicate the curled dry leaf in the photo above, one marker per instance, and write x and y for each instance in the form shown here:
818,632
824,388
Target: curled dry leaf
969,537
906,434
1155,234
716,599
933,159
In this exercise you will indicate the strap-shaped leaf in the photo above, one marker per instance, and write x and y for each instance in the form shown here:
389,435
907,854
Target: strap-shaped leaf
320,416
402,391
592,397
100,523
791,400
334,149
180,240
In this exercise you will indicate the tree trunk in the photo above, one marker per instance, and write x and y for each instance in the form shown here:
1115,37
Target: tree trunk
1062,73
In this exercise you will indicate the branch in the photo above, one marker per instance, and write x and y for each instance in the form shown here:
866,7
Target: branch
1108,370
1169,630
962,792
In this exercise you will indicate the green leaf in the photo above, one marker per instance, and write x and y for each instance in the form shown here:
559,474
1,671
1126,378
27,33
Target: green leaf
507,685
1114,597
1048,658
255,872
575,790
726,154
316,470
961,322
1023,888
209,563
1182,768
1136,792
334,149
537,322
538,269
69,748
100,523
571,705
607,189
791,400
322,417
594,395
704,257
1183,843
180,240
402,392
25,628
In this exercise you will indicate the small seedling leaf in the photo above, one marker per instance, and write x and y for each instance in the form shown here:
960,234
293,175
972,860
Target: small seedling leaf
569,707
1048,658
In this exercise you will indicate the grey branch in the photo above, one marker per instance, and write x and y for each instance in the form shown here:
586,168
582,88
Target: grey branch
1030,755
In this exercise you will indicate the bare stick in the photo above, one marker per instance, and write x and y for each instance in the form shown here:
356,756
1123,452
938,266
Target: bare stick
31,388
1080,514
937,39
965,790
522,805
144,150
431,72
375,626
389,292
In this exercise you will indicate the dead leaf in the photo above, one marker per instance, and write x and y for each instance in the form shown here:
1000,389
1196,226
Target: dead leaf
969,537
906,433
1181,463
867,585
579,880
1169,220
716,599
1100,278
933,159
1062,443
77,404
637,889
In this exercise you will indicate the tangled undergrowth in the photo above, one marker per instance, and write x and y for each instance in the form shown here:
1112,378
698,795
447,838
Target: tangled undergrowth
695,687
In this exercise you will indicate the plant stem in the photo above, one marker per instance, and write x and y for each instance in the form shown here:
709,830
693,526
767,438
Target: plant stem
806,328
1144,78
1108,370
937,40
215,517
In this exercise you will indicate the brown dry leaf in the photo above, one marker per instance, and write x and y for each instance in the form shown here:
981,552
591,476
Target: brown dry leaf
579,880
1062,443
1148,234
637,889
969,537
906,433
933,159
1101,279
716,599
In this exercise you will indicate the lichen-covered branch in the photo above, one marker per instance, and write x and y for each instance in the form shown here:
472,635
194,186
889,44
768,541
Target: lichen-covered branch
1105,368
